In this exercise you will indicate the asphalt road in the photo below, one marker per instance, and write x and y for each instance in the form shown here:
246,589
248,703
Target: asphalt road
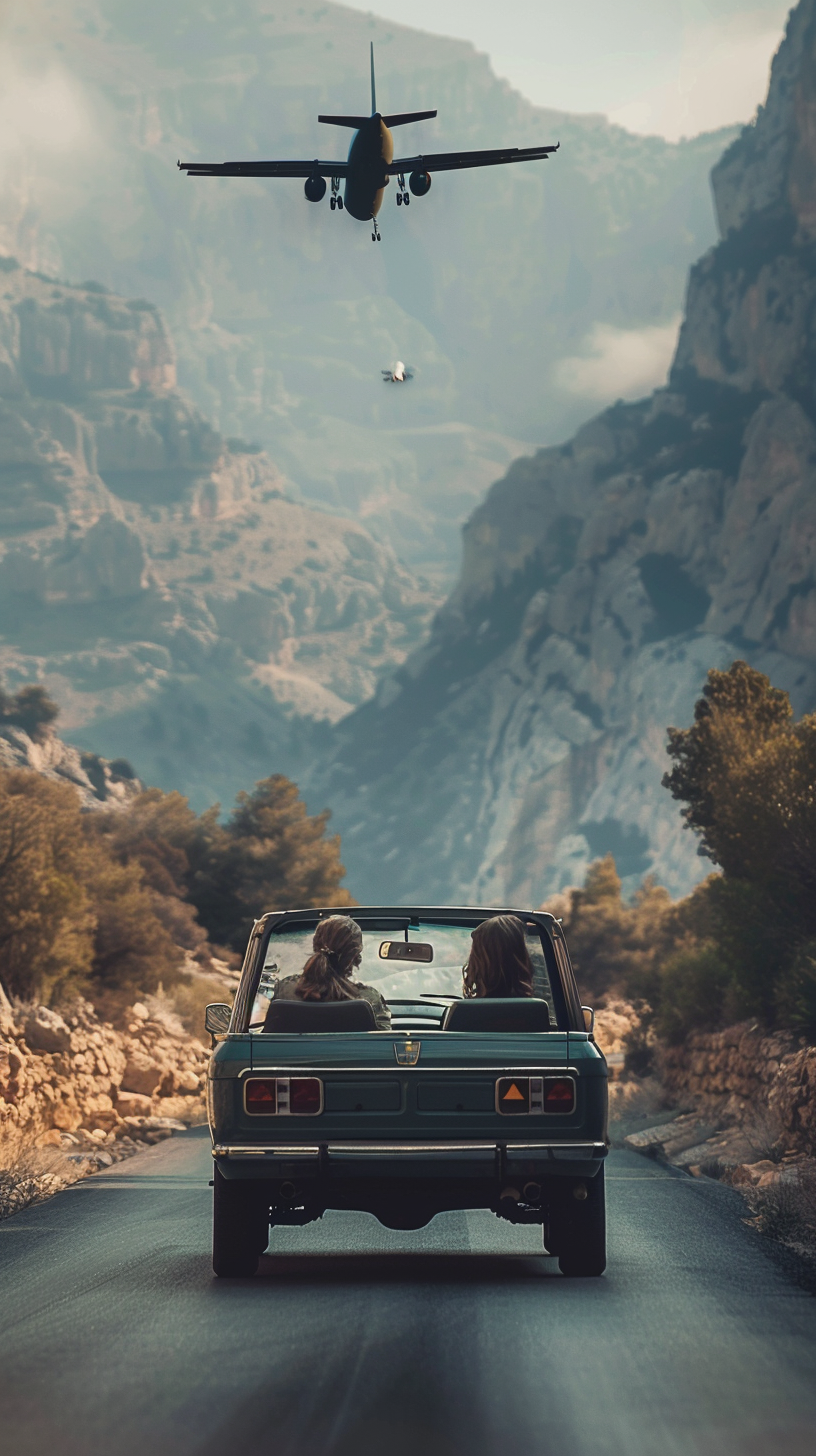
457,1340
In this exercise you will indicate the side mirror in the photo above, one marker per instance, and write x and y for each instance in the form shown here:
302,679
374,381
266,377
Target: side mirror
217,1018
589,1019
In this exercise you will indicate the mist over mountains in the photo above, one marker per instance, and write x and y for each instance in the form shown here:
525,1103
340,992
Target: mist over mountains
522,296
184,612
603,578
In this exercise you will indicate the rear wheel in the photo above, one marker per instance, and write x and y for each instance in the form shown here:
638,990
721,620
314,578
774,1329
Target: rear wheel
240,1226
579,1229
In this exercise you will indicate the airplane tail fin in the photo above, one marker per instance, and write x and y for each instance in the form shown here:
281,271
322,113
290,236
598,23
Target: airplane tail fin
373,86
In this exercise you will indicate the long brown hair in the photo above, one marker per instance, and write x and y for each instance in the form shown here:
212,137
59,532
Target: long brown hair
337,948
499,962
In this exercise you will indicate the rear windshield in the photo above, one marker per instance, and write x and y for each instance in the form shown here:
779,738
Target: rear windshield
401,983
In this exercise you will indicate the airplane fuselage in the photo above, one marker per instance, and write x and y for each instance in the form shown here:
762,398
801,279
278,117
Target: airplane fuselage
371,151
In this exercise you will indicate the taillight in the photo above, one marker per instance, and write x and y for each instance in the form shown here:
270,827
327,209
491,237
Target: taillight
261,1096
284,1096
305,1096
559,1094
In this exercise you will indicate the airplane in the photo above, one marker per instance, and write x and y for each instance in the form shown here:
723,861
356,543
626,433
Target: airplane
370,164
398,375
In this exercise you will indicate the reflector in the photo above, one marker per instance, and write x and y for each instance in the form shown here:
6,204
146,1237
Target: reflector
260,1095
513,1095
305,1096
559,1094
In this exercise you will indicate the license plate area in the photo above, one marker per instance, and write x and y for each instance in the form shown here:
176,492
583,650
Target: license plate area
372,1096
449,1096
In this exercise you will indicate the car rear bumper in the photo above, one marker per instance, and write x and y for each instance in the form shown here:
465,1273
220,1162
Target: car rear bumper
409,1159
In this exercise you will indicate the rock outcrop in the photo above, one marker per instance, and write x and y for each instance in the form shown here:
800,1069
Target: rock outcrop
601,580
96,780
157,579
69,1079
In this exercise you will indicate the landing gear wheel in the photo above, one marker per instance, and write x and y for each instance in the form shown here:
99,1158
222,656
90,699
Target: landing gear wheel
578,1230
333,203
340,203
399,199
240,1227
406,199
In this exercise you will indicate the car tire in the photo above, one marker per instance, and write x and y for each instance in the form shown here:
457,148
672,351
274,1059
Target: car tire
580,1231
240,1227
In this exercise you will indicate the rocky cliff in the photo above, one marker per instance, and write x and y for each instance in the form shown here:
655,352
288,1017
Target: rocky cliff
157,578
284,313
602,579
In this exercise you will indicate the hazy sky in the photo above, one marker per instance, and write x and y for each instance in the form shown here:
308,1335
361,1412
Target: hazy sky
675,67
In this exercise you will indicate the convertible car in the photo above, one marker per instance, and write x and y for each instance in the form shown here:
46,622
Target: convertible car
463,1104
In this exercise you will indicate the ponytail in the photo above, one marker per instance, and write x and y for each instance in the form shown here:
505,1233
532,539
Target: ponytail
337,949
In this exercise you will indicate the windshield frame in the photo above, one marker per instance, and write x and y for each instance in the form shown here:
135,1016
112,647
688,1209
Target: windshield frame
392,918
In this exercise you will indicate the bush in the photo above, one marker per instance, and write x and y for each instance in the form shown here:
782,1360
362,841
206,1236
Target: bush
30,709
695,989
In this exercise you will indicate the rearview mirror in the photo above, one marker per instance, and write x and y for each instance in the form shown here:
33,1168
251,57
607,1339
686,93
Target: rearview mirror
406,950
589,1019
217,1018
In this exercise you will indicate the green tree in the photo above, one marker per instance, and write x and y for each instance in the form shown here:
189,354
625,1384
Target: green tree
746,773
273,855
270,853
46,916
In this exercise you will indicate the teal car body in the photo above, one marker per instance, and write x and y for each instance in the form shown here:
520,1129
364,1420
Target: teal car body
419,1119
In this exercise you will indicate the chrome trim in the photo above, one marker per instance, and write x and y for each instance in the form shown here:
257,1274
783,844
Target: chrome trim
520,1070
366,1149
601,1149
292,1150
298,1150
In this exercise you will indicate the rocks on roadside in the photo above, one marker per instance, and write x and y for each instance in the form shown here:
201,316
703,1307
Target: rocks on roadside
73,1081
45,1031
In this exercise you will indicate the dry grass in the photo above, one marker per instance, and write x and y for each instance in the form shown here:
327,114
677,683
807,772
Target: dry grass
29,1173
786,1210
766,1138
182,1005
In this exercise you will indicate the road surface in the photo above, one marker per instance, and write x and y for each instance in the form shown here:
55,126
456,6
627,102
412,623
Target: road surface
456,1340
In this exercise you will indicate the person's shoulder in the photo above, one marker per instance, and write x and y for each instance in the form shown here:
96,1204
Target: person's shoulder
370,993
285,987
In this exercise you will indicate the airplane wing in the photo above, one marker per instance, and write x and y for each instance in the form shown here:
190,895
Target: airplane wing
452,161
264,169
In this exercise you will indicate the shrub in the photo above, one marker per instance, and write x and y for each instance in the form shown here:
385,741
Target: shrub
30,709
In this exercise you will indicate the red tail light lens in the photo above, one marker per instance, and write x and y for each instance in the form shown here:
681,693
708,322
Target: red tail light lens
261,1096
305,1096
559,1094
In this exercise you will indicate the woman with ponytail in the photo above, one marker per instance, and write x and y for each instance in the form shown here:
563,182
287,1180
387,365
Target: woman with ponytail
337,949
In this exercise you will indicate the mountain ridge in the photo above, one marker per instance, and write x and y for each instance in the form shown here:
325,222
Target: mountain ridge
601,579
282,312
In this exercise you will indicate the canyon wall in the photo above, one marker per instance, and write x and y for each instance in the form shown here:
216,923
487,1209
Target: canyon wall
182,609
602,579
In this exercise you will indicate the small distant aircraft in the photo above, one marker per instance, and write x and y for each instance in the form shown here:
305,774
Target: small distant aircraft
398,375
370,164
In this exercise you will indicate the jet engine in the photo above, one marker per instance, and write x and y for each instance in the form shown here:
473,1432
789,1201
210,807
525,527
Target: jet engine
315,188
420,183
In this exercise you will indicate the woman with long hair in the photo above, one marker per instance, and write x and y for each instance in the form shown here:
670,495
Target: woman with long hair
337,949
499,962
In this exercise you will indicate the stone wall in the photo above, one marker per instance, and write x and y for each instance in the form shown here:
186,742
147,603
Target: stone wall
742,1075
74,1079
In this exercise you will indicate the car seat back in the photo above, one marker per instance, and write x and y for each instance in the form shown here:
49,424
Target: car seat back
306,1016
483,1013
